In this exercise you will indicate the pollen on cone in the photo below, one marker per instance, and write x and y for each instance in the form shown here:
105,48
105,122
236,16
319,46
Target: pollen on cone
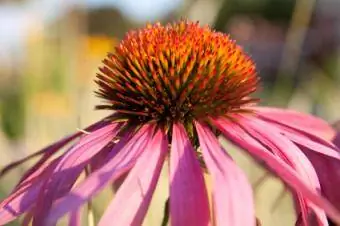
176,72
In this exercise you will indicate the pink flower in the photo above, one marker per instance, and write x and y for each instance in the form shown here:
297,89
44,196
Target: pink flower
173,90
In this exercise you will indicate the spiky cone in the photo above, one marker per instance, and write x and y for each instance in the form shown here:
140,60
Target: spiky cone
172,90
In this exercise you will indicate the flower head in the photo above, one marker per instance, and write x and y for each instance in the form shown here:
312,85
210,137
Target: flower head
176,73
173,89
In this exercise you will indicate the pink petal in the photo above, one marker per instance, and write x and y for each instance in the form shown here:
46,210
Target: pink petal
304,215
70,167
37,174
285,149
109,172
336,140
23,198
88,147
286,173
303,122
188,196
14,209
316,144
28,189
328,170
232,194
325,159
42,174
107,153
75,218
48,151
132,200
302,132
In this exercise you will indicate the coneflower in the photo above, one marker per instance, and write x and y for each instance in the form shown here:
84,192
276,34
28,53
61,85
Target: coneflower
173,90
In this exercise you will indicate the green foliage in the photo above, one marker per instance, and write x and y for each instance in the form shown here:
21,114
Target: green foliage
13,114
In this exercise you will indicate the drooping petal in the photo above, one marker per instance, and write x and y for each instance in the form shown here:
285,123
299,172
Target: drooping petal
336,139
285,149
303,122
294,134
325,159
37,177
75,218
315,144
24,197
232,193
188,196
48,151
109,151
12,210
242,139
132,200
328,170
26,191
70,167
113,169
87,147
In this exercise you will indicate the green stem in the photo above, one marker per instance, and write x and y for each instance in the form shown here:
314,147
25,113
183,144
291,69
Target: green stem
90,212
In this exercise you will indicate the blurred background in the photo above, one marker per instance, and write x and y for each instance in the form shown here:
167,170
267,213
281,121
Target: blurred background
50,51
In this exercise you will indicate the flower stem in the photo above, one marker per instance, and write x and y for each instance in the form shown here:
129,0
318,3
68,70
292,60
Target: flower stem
90,212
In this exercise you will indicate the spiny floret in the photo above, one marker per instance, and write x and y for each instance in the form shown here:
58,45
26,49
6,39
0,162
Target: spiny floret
179,71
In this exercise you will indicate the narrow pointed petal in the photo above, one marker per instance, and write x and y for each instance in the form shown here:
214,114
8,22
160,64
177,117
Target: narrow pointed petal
112,170
328,170
27,189
299,133
322,147
88,147
336,140
303,212
48,151
232,193
107,153
14,209
70,167
325,158
303,122
188,196
75,218
281,146
37,177
241,138
132,200
24,197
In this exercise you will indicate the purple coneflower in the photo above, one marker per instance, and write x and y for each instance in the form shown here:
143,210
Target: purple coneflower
173,90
